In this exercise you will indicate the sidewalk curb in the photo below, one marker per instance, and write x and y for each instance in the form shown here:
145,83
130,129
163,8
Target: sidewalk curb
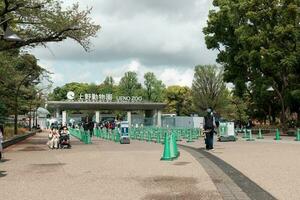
18,138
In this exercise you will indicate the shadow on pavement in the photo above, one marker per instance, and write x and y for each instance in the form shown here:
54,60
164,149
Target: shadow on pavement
4,160
32,148
181,163
3,173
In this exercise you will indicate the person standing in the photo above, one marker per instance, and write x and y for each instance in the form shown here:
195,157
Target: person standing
209,129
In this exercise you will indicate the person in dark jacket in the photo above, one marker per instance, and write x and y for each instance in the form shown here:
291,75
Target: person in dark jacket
209,129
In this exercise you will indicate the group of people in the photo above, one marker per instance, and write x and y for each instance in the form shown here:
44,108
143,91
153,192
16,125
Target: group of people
108,125
58,138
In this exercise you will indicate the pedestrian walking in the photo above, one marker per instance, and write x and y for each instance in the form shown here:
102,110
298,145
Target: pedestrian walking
209,129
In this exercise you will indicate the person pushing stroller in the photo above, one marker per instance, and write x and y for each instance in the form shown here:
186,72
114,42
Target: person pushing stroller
64,138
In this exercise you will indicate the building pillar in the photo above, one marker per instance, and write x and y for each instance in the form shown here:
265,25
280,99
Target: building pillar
64,118
57,114
98,117
129,118
159,118
154,118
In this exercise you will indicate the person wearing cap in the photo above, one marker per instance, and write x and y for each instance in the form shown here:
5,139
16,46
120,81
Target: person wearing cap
209,129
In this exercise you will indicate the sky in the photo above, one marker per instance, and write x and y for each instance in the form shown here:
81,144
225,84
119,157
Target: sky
160,36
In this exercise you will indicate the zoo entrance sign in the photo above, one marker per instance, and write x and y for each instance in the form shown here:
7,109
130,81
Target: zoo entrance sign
91,97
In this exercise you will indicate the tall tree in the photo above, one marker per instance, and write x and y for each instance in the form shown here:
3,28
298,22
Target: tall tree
208,87
154,88
109,81
178,100
108,87
40,21
258,40
129,85
18,72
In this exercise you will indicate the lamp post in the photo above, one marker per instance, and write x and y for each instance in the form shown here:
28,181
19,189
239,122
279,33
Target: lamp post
7,34
270,89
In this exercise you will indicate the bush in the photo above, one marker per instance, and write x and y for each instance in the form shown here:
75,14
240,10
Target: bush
9,132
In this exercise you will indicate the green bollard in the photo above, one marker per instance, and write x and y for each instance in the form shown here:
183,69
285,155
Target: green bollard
167,152
222,131
148,136
178,135
277,135
173,147
259,136
298,135
89,141
250,138
161,133
117,137
245,134
157,137
190,139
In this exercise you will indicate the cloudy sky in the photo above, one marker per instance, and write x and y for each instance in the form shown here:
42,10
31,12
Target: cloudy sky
161,36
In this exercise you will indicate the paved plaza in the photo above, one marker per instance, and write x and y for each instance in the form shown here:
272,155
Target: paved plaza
109,170
103,170
273,165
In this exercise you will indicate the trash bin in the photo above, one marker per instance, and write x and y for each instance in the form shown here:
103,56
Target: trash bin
124,139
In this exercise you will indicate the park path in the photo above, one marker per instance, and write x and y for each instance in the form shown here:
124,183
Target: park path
273,165
103,170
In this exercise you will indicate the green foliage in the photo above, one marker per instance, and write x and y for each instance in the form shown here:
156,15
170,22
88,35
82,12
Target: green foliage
108,87
60,93
258,44
179,100
208,88
40,21
129,85
153,88
20,73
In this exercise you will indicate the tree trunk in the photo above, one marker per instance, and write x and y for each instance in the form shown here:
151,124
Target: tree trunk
16,115
36,117
30,116
283,108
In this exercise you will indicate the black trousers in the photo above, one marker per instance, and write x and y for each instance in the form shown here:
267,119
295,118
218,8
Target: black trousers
209,140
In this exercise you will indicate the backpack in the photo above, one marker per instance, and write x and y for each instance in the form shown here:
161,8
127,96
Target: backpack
209,122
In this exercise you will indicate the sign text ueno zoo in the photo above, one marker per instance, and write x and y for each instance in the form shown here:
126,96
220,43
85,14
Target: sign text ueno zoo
107,98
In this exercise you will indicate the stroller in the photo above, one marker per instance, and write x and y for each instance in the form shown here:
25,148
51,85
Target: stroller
64,141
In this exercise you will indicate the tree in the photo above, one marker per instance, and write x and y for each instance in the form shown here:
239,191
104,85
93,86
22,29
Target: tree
40,21
154,87
109,81
18,72
129,85
107,87
208,88
60,93
178,100
258,40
